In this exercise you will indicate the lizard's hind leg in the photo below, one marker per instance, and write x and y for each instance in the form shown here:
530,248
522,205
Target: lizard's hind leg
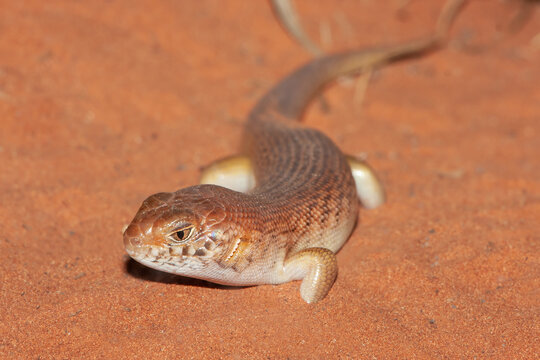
368,187
233,172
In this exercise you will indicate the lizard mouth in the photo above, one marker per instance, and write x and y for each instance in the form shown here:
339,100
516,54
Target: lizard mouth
145,251
174,259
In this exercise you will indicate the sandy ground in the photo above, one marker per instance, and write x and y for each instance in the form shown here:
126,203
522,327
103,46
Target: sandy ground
103,103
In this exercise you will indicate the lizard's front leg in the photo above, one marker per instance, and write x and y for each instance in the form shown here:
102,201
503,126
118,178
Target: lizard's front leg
317,267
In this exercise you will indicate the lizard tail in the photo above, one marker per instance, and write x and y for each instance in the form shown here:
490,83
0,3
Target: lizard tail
290,97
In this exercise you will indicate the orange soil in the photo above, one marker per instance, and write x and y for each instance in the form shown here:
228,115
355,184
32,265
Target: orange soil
103,103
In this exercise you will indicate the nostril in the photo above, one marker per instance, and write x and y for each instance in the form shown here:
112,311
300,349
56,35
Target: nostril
132,241
135,241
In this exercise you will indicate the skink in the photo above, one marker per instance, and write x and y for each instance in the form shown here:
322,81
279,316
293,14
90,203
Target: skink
286,206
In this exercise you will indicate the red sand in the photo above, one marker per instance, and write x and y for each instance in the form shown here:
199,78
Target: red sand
103,103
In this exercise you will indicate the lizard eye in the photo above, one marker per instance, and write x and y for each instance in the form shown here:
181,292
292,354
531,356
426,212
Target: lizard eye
181,235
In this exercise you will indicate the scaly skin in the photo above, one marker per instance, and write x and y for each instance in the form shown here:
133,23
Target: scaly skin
302,209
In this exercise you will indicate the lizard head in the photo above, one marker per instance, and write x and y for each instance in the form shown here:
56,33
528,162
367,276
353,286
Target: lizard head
187,232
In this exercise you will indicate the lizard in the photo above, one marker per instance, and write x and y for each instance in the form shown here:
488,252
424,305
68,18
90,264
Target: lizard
280,211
